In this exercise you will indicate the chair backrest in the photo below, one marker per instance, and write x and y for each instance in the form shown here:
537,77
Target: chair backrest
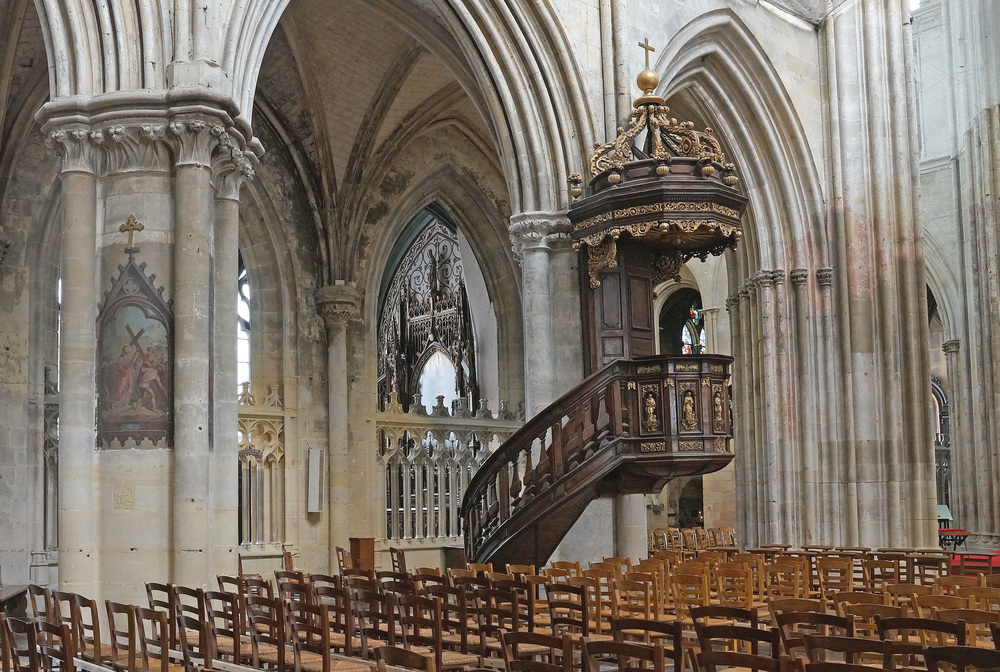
398,559
161,596
572,567
549,648
781,580
518,570
223,618
850,649
21,644
375,615
962,658
454,614
478,567
710,661
981,597
646,631
794,625
497,611
721,637
977,623
397,656
734,586
153,630
62,610
340,617
569,608
526,596
420,624
122,632
632,599
629,657
947,585
836,575
229,583
188,601
87,625
41,602
926,605
908,636
689,590
796,604
855,597
306,629
344,560
734,615
55,646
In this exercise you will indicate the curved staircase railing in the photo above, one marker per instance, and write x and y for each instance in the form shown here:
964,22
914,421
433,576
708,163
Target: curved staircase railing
628,428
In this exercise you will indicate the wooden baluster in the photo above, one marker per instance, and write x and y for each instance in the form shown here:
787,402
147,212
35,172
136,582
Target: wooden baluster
618,423
515,483
504,492
556,452
588,430
529,477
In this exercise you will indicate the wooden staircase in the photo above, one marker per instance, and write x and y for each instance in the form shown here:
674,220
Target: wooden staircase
628,428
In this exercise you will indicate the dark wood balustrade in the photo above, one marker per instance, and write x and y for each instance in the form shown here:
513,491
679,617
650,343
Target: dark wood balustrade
628,428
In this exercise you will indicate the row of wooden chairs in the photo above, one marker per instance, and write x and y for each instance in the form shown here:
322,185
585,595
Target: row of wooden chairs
691,538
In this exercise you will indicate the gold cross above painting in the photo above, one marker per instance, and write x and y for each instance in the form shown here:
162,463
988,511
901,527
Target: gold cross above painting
130,227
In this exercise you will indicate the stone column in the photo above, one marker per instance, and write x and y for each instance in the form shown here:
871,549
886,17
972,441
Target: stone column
338,304
194,215
567,326
78,524
230,169
630,526
529,235
964,509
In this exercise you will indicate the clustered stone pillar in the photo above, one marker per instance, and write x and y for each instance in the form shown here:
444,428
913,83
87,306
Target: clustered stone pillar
553,336
338,304
78,538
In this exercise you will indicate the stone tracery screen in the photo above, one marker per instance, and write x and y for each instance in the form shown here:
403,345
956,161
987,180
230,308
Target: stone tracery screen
425,315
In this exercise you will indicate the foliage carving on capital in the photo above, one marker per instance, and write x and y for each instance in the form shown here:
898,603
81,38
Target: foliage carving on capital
824,276
951,347
231,166
196,141
799,276
537,230
137,147
338,304
80,149
778,277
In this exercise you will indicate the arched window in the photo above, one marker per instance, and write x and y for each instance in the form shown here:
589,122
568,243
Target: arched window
243,328
682,324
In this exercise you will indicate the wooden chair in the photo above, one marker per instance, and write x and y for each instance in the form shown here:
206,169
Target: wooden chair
927,567
54,642
62,610
526,600
535,652
927,605
161,596
224,629
879,573
344,637
948,585
689,590
375,616
569,611
597,608
977,623
41,602
794,625
836,575
344,560
518,570
851,650
628,657
267,633
398,559
87,626
606,581
497,612
556,574
840,600
716,614
734,586
21,645
793,604
942,658
623,564
456,573
781,581
572,567
478,568
189,603
902,594
981,597
153,630
436,571
122,632
643,631
229,583
421,627
632,599
864,617
455,618
908,636
397,656
306,628
710,657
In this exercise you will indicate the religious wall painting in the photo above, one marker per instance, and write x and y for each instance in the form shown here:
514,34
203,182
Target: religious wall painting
134,362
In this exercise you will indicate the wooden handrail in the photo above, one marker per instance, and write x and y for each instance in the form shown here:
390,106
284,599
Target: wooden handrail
655,416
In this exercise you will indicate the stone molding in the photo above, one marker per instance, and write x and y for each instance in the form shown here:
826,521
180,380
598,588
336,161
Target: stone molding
952,347
798,276
338,304
148,140
534,230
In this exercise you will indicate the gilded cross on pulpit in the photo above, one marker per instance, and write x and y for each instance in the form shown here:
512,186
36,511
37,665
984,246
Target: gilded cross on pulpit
130,227
645,45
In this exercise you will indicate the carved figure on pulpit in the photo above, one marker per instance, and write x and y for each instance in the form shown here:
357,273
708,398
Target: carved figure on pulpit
717,400
690,421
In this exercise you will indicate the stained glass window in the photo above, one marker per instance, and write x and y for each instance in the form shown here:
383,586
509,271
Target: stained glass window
243,329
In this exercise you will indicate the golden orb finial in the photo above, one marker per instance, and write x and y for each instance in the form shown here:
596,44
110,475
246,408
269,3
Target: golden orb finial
647,81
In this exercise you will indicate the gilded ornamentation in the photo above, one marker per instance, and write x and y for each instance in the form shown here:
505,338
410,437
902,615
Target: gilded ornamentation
686,368
599,258
688,446
716,368
655,368
658,208
705,382
719,445
653,447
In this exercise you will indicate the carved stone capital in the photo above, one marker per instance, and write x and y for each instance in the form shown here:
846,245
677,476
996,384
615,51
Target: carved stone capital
778,277
798,276
732,303
196,140
530,230
761,279
951,347
231,167
4,245
137,147
80,149
824,276
338,304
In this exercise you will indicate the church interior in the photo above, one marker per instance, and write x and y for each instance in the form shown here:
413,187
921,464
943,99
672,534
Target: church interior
326,285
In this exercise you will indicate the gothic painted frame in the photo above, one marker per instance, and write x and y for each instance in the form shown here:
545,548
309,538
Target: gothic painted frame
135,363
